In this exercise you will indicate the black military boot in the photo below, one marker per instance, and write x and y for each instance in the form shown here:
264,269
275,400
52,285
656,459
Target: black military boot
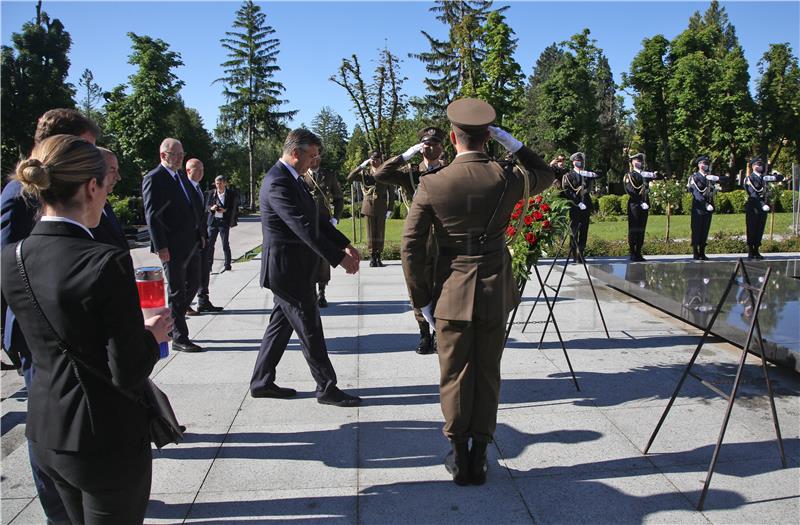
425,345
457,463
750,252
378,261
703,252
321,300
373,261
756,253
477,462
639,256
695,252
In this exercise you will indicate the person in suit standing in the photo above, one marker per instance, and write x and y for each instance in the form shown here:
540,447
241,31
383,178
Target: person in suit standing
324,187
222,206
296,240
92,441
397,171
176,235
376,206
468,204
194,172
109,230
575,188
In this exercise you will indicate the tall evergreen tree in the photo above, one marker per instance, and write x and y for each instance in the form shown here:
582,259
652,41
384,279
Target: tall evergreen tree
778,98
33,78
90,94
251,92
501,85
536,128
331,128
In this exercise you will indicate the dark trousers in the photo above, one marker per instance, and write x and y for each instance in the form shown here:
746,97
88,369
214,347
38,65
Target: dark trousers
637,224
755,220
701,223
105,490
304,319
218,227
183,279
205,276
579,225
376,232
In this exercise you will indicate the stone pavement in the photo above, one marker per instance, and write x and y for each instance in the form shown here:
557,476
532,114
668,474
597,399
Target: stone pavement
560,456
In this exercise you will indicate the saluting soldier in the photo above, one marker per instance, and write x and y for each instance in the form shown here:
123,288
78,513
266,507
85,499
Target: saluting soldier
376,206
575,188
757,207
637,186
327,193
701,186
468,204
399,172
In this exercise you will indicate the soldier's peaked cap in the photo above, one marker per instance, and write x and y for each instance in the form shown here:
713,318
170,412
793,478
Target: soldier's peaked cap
702,158
639,156
755,160
431,134
470,113
577,155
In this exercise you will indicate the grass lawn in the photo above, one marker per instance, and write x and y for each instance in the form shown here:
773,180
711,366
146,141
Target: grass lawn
617,230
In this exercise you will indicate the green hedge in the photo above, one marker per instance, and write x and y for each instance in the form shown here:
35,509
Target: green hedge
609,205
718,244
784,200
122,209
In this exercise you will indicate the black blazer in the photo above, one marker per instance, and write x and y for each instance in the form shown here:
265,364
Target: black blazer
295,235
171,218
231,206
109,230
87,291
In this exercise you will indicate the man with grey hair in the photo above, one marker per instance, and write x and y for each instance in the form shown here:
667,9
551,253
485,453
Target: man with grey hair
176,234
296,241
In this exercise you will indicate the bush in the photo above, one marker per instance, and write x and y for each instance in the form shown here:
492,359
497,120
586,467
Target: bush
737,199
722,203
122,209
609,205
623,203
686,203
784,200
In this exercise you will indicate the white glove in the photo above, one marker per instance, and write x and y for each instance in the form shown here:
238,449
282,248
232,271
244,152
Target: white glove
765,207
388,214
505,139
334,221
649,174
413,150
581,206
712,178
645,206
709,207
365,163
587,174
770,178
427,313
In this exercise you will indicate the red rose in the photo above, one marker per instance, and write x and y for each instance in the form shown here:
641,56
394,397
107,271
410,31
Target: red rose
528,220
544,207
510,231
538,199
546,225
518,206
530,200
531,238
516,214
537,215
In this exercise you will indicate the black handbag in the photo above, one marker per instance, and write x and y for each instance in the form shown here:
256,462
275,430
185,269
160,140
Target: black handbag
164,426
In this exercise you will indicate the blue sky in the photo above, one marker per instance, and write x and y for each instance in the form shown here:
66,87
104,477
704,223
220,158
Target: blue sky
315,36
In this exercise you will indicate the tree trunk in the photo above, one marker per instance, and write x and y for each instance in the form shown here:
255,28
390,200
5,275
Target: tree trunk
252,168
669,213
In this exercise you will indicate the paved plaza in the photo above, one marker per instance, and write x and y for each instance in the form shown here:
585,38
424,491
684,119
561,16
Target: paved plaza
560,455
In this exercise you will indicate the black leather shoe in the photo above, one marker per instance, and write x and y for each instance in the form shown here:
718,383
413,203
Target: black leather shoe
477,463
191,312
379,263
274,391
321,301
227,268
208,307
373,263
338,398
186,346
457,463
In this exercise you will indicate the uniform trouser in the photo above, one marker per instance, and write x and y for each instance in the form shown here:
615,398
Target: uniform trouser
376,229
218,227
304,319
183,279
701,224
469,387
755,220
579,225
109,490
637,224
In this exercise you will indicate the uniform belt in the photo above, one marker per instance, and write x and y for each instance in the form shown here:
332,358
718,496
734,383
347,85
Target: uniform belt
474,248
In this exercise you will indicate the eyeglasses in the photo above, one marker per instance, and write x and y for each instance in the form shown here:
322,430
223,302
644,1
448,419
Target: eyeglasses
175,153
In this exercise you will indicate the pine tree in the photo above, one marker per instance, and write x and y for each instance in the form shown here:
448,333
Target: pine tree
90,94
778,98
332,130
252,94
502,82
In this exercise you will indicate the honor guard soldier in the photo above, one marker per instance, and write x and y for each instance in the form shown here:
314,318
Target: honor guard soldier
327,193
757,207
376,206
575,187
399,172
637,183
468,204
559,167
701,186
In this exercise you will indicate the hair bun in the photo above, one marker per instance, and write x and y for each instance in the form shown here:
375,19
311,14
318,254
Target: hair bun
33,174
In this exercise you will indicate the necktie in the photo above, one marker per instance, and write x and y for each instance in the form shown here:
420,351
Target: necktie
180,186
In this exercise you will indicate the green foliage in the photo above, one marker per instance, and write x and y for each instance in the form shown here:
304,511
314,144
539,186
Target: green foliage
719,244
664,193
332,130
722,204
737,200
501,85
778,97
785,200
122,209
623,203
609,205
686,203
90,95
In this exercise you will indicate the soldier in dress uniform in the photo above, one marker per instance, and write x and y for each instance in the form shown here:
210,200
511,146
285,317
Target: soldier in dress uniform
575,188
637,183
399,172
376,206
757,206
327,193
701,186
468,204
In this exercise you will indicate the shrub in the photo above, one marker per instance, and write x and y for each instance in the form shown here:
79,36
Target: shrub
722,203
737,200
125,215
686,203
609,205
784,200
623,203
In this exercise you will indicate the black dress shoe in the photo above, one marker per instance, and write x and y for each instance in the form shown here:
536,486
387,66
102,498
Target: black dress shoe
457,463
191,312
186,346
227,268
477,463
425,345
275,391
208,307
321,301
338,398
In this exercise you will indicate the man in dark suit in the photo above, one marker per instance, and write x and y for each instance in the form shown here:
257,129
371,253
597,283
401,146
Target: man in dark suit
109,231
195,171
222,205
170,209
296,240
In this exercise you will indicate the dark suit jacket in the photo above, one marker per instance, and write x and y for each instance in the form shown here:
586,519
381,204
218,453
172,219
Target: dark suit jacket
109,231
231,206
172,220
295,236
87,291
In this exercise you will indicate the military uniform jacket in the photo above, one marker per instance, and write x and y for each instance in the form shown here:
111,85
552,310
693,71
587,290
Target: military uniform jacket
756,191
701,190
324,187
576,189
637,188
377,195
459,202
398,172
